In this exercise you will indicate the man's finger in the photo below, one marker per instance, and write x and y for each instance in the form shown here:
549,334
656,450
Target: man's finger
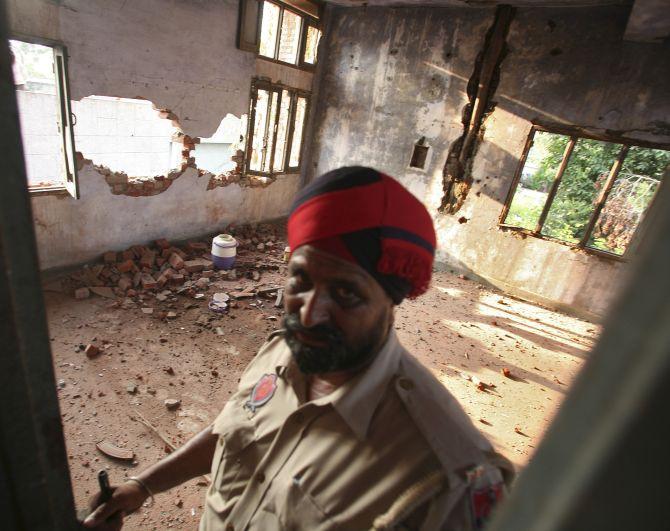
101,514
94,502
113,523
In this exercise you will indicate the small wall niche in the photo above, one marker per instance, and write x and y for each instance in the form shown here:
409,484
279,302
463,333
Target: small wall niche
419,154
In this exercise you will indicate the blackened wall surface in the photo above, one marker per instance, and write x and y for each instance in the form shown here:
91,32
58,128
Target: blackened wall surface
572,66
393,76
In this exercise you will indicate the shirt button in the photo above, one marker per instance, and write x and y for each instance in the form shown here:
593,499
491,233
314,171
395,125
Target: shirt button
260,477
406,384
230,527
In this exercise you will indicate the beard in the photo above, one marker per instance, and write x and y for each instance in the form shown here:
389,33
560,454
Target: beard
336,355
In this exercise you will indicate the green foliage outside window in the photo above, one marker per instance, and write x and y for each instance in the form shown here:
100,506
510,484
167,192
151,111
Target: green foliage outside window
571,209
585,175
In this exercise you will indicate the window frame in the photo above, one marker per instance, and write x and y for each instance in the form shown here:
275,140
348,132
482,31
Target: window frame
294,94
302,64
69,184
307,21
249,42
575,134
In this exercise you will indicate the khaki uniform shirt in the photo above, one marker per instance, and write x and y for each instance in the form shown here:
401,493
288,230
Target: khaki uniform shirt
390,449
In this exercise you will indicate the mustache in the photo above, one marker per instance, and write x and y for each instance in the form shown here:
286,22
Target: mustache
323,332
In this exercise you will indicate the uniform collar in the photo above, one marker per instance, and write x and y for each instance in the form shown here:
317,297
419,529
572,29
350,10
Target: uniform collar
357,400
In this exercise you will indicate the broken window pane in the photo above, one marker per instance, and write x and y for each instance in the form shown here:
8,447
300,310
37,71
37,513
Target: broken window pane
590,162
282,131
629,199
312,44
272,117
289,42
299,124
258,131
537,175
269,29
37,101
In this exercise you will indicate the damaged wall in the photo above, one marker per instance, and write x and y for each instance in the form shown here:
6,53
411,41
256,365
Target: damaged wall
391,77
396,75
182,57
185,209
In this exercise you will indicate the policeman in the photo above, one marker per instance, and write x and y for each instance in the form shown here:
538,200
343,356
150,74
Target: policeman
334,424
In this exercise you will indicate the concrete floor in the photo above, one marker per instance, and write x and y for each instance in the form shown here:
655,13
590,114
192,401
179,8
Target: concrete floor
461,330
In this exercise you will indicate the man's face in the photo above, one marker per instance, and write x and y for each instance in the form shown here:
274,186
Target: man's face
338,316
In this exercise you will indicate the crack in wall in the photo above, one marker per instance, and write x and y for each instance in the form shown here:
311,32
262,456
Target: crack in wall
457,173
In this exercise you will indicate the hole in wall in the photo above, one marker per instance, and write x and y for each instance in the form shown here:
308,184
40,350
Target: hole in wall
214,154
127,135
419,155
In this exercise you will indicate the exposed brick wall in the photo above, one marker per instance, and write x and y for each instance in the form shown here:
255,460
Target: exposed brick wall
237,176
121,184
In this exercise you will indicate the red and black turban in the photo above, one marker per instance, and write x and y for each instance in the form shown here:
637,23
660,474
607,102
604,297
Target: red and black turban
370,219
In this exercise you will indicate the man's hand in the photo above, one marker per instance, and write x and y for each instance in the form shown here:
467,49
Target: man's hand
191,460
126,498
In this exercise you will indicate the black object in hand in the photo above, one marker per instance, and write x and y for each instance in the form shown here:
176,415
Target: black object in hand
105,489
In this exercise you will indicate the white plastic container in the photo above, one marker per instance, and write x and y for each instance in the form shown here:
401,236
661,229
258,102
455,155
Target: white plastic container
224,251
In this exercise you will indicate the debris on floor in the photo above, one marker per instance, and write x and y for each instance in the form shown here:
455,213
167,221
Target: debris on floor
518,430
114,451
158,278
82,293
161,270
195,358
91,351
172,403
481,386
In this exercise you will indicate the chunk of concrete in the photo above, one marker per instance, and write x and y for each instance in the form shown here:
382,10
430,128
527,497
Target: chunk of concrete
82,293
172,403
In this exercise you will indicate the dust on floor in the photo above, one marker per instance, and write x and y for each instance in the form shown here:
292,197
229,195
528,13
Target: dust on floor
465,333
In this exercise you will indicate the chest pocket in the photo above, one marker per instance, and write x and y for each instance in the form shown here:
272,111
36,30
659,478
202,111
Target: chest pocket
296,509
236,454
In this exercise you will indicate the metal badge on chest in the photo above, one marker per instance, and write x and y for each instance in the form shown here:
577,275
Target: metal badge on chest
262,392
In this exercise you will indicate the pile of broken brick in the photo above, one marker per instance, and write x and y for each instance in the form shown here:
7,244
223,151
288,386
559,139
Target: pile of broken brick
185,269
